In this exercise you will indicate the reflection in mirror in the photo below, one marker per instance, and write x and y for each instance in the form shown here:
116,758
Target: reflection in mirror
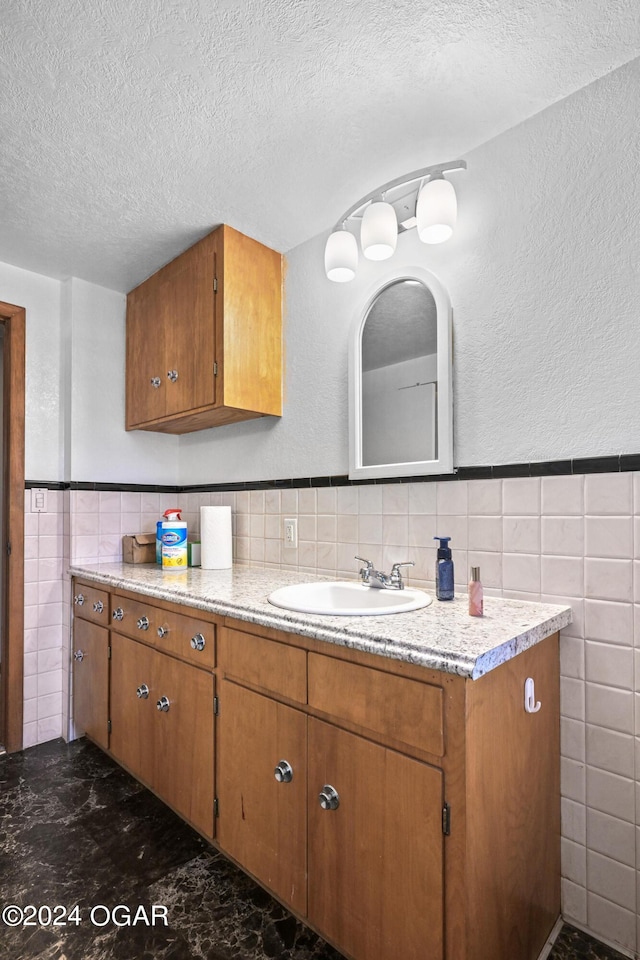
399,376
400,380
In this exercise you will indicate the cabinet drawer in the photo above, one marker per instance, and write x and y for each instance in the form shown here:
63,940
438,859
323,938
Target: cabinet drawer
89,603
403,710
186,637
265,664
135,618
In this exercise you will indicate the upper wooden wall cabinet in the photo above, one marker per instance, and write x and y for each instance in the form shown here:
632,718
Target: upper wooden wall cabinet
204,337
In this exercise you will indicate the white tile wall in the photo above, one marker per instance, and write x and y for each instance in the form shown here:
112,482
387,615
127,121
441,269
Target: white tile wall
560,539
46,618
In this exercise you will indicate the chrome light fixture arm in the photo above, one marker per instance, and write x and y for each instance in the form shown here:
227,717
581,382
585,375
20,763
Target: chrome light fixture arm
435,171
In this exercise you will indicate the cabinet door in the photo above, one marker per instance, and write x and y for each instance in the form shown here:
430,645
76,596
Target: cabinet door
133,707
91,681
262,821
375,862
183,739
187,310
146,370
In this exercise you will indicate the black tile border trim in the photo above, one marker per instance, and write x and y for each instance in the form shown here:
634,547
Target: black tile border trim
546,468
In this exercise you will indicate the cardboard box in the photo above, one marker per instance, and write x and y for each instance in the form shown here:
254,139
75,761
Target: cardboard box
139,548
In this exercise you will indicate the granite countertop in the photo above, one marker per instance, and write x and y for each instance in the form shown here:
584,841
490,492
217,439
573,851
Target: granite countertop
441,636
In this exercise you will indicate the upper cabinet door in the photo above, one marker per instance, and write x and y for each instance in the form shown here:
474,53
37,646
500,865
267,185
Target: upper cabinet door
187,310
204,337
146,373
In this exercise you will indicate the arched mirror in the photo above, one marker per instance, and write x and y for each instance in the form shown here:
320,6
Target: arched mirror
400,380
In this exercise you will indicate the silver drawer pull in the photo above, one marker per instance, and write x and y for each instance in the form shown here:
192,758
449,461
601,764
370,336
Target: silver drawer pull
328,797
163,704
78,599
142,693
79,656
155,382
162,632
143,623
283,772
198,642
173,375
118,614
98,606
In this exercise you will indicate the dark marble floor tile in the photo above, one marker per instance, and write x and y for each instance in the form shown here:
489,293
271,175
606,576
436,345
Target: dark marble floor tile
223,914
75,829
142,838
573,944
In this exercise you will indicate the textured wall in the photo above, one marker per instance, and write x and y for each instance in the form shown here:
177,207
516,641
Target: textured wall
41,298
98,446
542,277
135,126
541,274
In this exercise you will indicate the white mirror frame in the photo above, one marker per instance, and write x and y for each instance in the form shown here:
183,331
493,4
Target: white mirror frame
444,364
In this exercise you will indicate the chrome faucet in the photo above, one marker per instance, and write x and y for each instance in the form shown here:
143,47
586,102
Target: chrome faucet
380,580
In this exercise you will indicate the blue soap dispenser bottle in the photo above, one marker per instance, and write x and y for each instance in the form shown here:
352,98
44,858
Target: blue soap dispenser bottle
444,570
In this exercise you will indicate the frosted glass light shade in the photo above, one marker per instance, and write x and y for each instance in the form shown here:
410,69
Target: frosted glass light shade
341,256
379,231
436,211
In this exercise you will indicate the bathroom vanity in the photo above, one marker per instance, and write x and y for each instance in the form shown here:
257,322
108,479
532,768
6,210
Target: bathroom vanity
382,776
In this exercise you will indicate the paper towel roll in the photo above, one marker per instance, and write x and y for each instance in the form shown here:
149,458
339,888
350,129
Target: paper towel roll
215,537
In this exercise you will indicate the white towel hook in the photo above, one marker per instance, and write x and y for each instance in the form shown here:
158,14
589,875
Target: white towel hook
530,703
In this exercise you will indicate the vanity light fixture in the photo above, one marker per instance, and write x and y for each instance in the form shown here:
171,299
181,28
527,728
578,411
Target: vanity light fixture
422,199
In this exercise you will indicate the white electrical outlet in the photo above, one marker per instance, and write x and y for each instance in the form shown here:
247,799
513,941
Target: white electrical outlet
290,536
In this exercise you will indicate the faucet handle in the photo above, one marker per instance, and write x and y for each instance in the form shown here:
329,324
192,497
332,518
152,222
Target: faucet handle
396,576
365,571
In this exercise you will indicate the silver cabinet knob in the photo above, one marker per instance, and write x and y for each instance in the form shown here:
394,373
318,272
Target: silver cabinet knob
143,623
283,772
98,606
118,614
328,797
155,382
162,631
198,642
163,704
79,656
142,693
172,375
78,599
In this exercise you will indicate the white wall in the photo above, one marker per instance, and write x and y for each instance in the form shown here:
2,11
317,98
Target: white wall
41,298
542,274
99,448
74,422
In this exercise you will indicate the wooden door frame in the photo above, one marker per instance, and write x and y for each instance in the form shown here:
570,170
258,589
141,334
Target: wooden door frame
14,320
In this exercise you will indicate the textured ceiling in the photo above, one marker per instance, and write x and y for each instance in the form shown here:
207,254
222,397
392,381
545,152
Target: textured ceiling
130,128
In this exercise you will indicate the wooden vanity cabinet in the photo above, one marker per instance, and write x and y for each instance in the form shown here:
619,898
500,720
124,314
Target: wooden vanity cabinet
162,703
376,861
144,691
401,812
262,821
372,860
162,727
204,337
91,662
432,801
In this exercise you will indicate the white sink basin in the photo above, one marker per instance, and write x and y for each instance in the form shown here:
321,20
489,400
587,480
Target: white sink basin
347,599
